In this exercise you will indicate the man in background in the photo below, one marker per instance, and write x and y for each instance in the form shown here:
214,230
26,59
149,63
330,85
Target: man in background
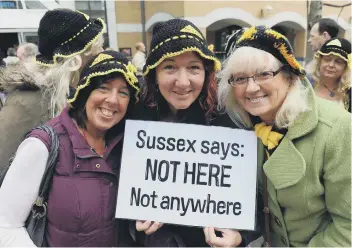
139,60
27,51
322,31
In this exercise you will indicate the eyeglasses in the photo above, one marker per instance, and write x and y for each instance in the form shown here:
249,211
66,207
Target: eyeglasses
259,78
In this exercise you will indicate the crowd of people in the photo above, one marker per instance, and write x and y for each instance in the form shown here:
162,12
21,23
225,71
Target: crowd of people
302,121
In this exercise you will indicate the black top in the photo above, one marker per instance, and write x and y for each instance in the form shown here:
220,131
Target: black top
190,236
193,115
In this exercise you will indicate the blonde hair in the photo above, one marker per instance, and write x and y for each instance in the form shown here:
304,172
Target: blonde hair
56,80
344,81
251,60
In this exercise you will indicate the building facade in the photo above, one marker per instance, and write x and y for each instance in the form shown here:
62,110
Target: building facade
19,19
126,20
217,19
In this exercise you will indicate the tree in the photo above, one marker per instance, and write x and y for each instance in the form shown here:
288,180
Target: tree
314,13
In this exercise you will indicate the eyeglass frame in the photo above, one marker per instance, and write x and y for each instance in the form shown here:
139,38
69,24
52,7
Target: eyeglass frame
232,79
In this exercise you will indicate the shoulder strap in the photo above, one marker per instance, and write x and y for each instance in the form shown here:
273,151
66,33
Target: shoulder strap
50,165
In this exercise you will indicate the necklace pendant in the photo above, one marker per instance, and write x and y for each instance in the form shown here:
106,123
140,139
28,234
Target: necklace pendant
332,94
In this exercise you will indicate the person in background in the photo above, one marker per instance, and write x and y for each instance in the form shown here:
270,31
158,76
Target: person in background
37,89
82,197
180,87
11,57
304,154
139,60
321,31
332,74
27,51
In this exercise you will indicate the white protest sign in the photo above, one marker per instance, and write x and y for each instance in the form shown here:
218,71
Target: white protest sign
188,174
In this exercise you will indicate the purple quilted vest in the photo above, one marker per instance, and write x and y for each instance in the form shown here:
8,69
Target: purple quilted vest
82,199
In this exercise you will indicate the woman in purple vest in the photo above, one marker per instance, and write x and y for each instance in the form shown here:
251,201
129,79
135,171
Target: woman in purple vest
82,198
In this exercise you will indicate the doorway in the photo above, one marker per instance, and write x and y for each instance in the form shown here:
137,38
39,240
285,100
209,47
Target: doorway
7,40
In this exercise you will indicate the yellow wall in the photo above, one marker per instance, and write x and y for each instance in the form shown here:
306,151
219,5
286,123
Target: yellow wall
174,8
128,12
129,40
202,8
345,14
300,44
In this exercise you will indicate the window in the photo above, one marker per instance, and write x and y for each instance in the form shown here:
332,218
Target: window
31,38
4,4
82,5
93,8
96,5
33,4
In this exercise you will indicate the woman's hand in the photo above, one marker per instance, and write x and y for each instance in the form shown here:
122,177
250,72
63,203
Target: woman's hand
147,226
230,238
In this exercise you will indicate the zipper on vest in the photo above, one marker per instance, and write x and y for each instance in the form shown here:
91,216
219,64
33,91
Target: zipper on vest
95,155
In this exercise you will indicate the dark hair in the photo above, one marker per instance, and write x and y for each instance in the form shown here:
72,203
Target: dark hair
328,25
151,96
78,110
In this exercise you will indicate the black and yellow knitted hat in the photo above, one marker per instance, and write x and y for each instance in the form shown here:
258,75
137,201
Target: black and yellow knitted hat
337,46
105,63
64,33
175,37
231,41
268,40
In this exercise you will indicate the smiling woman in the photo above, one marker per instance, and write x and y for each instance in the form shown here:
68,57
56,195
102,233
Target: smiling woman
180,86
84,185
304,157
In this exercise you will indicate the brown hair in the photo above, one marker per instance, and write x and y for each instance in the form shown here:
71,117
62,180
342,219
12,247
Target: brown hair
207,98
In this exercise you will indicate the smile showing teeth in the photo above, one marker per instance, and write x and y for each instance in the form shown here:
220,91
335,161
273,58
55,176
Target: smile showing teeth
182,93
107,113
257,99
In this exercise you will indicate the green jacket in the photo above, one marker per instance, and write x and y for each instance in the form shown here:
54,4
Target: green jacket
24,109
309,179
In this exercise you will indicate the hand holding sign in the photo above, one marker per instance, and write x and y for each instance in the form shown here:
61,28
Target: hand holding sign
187,174
148,227
230,238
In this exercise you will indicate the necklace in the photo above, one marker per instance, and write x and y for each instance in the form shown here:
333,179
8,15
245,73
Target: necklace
332,93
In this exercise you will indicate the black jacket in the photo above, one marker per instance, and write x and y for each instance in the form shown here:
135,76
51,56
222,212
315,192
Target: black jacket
175,235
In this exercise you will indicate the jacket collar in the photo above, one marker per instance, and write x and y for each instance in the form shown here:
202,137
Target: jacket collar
80,146
18,77
280,175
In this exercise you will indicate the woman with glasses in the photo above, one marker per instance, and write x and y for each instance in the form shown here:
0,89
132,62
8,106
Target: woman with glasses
332,74
304,151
